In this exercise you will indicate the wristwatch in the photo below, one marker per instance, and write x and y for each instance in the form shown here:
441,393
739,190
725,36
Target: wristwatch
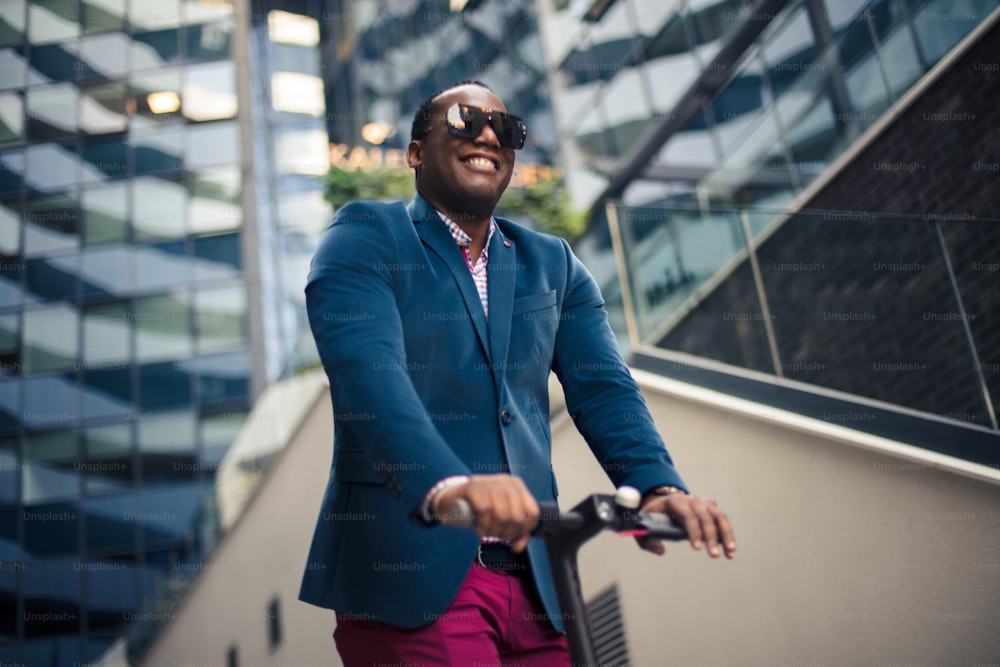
662,491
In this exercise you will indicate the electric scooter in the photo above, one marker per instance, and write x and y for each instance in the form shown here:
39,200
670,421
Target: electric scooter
566,532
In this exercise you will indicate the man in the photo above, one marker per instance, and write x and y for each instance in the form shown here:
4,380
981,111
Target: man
437,325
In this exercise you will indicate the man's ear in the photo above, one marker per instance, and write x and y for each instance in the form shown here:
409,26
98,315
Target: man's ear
413,159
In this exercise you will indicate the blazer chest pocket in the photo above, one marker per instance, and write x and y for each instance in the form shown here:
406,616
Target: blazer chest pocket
533,302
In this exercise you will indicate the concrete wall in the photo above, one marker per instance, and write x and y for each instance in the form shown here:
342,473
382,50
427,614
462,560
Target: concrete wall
847,556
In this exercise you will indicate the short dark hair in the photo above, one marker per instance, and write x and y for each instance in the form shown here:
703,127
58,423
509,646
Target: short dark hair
422,118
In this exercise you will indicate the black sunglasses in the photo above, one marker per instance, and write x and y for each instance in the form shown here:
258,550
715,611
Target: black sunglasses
467,122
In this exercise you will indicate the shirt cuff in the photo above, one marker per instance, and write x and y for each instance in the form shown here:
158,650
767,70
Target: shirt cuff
443,485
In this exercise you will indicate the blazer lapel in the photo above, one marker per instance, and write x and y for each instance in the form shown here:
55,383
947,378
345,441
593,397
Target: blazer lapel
434,234
502,273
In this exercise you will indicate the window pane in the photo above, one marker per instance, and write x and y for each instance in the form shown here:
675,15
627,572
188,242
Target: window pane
213,144
159,151
156,97
105,214
163,327
53,21
155,49
10,358
50,167
215,201
210,91
50,225
51,279
108,393
10,235
164,385
105,272
218,431
49,401
108,525
106,330
108,458
103,160
167,445
50,339
220,317
11,119
154,14
102,111
208,41
160,267
10,469
12,13
10,404
224,377
52,111
103,15
158,209
50,471
104,56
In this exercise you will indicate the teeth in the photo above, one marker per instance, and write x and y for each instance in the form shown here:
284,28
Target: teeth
481,161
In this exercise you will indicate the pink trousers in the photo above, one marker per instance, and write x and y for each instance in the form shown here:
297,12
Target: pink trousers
494,621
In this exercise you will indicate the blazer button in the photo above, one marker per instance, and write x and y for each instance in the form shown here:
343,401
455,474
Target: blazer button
505,417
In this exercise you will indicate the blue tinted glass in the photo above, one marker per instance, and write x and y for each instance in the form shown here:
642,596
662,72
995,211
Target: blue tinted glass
167,445
107,393
224,377
217,257
10,404
172,514
164,385
10,470
10,282
154,49
51,530
8,593
112,591
49,401
110,523
209,41
108,459
103,160
51,279
54,63
51,592
9,550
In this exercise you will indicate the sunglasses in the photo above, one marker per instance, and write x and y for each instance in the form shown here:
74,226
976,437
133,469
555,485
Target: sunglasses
467,122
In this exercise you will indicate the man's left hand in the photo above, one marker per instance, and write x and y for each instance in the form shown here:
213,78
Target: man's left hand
704,522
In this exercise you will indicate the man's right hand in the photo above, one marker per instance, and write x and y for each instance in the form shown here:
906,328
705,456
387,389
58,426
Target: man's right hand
501,503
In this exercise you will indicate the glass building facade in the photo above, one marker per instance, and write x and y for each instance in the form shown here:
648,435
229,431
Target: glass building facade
143,289
384,57
698,132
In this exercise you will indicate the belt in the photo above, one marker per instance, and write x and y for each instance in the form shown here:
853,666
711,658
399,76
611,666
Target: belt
499,557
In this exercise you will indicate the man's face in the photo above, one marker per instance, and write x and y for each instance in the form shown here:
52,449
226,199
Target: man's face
462,176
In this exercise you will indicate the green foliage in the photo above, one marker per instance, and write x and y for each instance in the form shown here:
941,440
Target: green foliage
546,202
382,183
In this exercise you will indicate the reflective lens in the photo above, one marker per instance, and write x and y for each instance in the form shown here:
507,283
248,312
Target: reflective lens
466,122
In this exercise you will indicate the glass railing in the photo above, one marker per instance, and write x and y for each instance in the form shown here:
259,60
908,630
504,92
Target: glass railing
899,309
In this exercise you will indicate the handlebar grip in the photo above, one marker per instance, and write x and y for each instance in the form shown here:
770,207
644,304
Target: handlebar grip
460,515
660,526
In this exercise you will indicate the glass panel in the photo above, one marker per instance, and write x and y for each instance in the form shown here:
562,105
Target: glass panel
10,236
51,591
49,401
163,386
217,257
151,50
105,215
52,111
104,272
158,208
10,345
13,67
112,593
106,330
209,91
10,404
170,513
103,110
900,61
51,469
156,97
159,151
215,201
789,52
104,160
161,267
200,11
104,56
108,393
109,523
224,377
103,15
12,15
50,338
167,444
53,21
220,317
154,14
51,279
213,144
866,84
10,472
11,280
943,23
163,327
208,41
11,119
108,463
51,224
50,167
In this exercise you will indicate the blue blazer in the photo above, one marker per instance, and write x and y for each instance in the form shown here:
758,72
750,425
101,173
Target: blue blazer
424,386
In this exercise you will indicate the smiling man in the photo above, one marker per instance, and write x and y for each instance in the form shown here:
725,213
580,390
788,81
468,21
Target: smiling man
438,324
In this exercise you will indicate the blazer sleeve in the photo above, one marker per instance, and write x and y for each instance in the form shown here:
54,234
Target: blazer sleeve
601,395
359,334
